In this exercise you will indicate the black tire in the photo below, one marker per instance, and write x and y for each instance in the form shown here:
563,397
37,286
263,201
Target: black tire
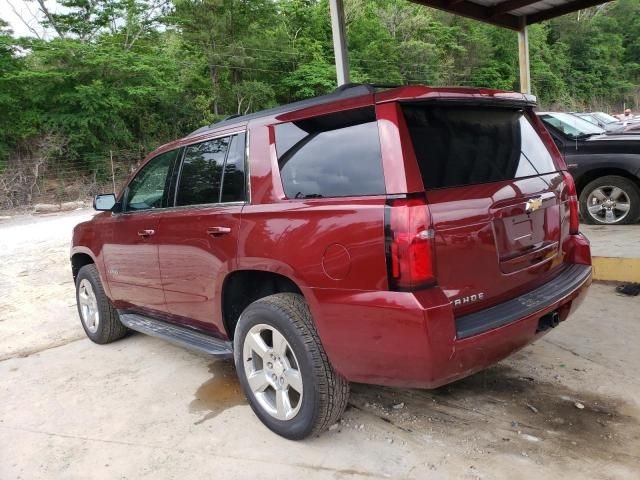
629,188
325,391
109,327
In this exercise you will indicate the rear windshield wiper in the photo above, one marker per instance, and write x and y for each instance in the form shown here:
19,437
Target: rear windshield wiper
582,136
308,195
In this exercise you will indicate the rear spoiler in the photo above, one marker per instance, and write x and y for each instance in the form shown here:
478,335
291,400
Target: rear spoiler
497,99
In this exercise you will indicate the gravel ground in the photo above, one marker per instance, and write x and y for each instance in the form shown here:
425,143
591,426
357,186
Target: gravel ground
567,406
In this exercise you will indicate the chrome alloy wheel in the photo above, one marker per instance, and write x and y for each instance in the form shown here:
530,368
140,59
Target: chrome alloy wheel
88,306
272,372
608,204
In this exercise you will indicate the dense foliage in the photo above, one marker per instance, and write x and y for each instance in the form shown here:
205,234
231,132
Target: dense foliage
116,78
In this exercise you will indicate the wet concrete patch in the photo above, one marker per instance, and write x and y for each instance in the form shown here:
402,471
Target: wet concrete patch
219,393
501,411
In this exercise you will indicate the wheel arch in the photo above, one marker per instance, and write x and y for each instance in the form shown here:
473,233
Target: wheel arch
240,288
80,258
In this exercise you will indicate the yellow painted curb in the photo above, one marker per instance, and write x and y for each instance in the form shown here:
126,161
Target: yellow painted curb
616,269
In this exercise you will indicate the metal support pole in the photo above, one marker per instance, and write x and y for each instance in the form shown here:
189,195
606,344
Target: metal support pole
339,41
523,57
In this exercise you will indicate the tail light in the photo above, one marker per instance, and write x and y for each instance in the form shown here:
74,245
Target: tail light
572,198
409,244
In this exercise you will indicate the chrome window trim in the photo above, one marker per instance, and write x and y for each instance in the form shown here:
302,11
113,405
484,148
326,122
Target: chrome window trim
247,172
202,206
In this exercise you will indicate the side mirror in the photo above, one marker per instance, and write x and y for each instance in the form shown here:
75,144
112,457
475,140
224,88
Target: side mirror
104,202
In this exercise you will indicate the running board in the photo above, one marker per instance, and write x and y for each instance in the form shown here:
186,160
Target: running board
182,336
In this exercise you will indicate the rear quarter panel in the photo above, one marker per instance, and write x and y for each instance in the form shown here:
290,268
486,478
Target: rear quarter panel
336,243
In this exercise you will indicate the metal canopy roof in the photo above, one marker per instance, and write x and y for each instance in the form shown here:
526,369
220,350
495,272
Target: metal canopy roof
513,14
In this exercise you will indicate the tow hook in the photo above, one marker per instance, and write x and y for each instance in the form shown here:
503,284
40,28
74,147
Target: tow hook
550,320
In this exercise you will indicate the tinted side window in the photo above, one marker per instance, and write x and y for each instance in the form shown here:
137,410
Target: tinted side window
149,187
331,156
201,173
233,182
458,146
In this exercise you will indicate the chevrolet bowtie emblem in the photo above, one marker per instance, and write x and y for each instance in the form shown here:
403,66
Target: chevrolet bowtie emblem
533,205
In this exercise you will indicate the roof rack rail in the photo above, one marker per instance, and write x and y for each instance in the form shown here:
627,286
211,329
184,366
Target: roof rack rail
348,90
380,86
347,86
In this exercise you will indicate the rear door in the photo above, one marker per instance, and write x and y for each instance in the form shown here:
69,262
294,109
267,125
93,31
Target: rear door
198,237
493,191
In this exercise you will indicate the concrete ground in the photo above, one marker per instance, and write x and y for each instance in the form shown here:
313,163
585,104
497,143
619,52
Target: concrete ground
566,407
613,240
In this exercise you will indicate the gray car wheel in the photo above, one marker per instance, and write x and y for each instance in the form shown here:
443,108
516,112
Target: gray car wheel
99,319
610,200
284,370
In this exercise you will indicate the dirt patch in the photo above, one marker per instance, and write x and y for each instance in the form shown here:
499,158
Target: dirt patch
497,411
219,393
37,298
500,410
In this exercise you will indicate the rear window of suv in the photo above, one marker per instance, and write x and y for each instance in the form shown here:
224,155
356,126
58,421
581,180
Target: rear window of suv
458,145
335,155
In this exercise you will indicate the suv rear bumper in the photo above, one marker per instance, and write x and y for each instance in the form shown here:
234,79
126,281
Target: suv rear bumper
411,339
530,303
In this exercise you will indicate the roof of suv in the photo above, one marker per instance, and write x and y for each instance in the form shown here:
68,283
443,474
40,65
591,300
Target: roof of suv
353,90
349,90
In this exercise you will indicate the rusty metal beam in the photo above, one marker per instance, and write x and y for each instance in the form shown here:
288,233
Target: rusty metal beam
510,5
498,14
562,10
473,10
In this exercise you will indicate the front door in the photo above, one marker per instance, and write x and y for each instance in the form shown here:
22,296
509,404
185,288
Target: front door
198,237
130,243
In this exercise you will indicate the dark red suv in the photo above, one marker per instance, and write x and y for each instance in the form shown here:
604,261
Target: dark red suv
406,237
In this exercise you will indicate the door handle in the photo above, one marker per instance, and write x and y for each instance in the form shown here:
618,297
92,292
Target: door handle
217,231
146,233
